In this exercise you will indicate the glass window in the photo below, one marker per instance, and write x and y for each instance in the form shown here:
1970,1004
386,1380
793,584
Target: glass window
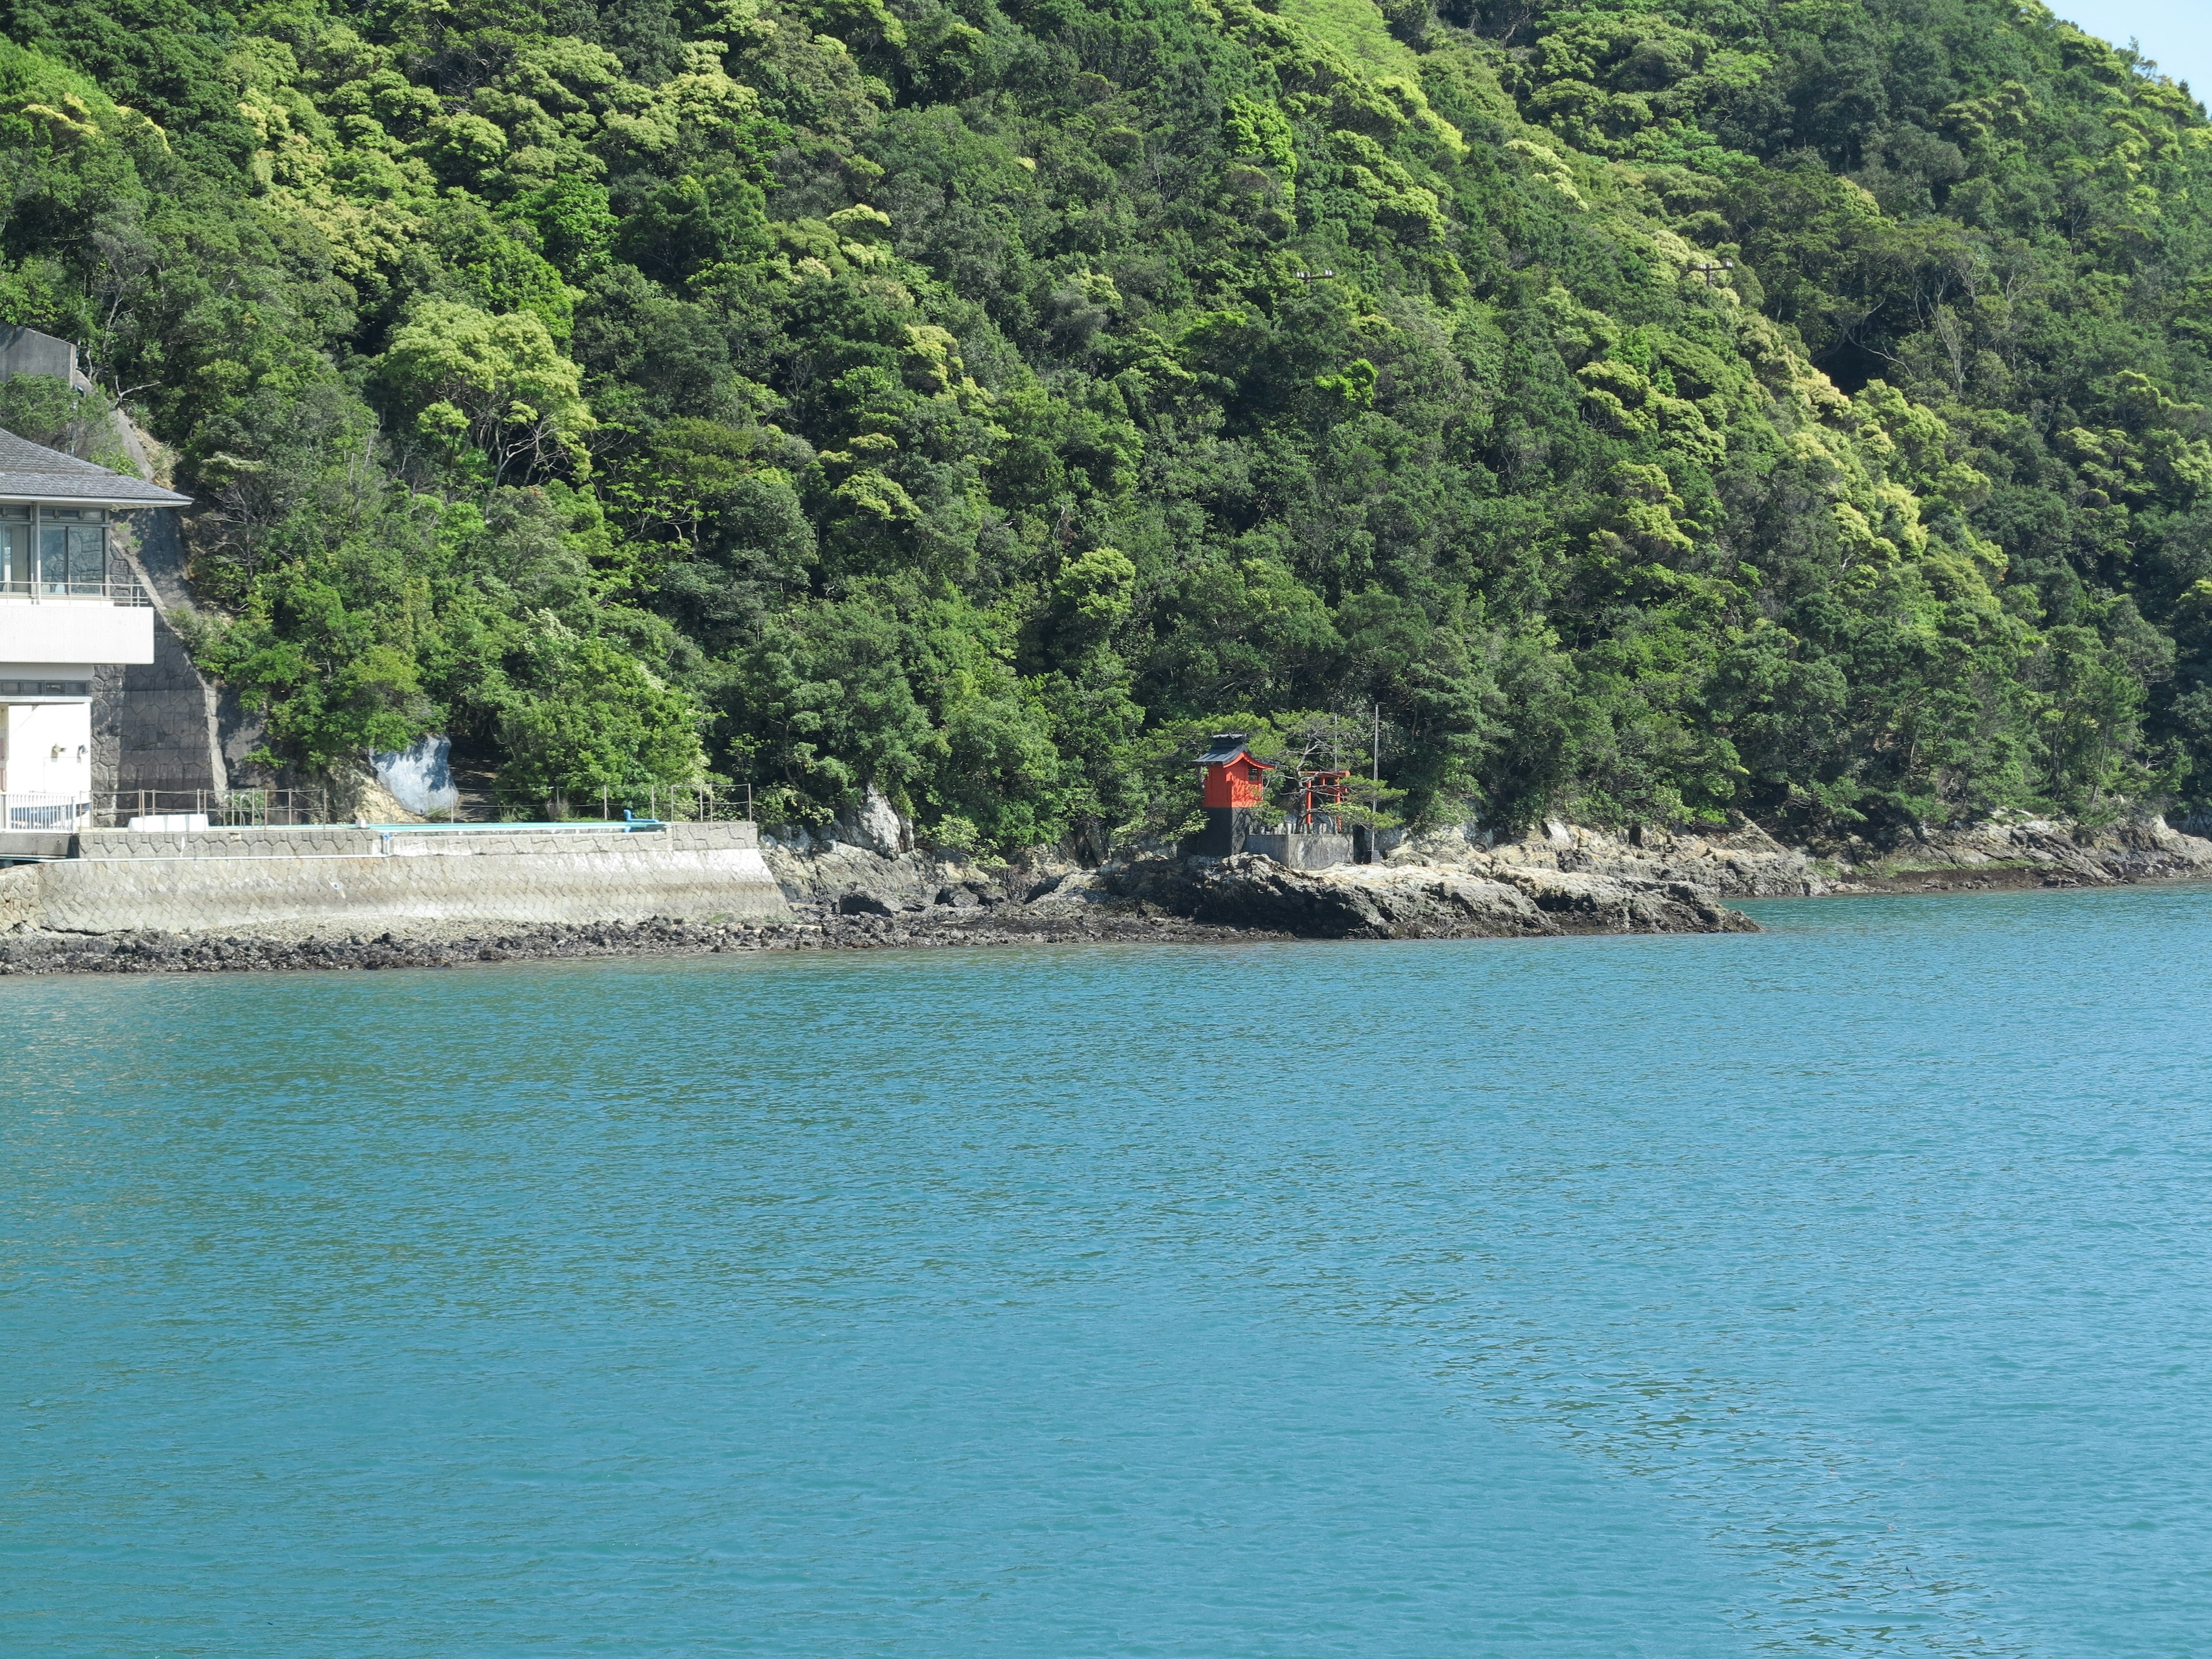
45,687
53,557
88,559
68,555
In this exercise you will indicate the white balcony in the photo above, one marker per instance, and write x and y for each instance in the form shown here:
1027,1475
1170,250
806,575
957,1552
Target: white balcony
107,622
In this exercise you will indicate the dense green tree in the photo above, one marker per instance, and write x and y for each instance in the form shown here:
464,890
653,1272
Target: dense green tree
1646,409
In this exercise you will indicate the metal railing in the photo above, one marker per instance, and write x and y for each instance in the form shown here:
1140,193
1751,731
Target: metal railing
33,810
115,591
1303,823
254,809
672,803
224,809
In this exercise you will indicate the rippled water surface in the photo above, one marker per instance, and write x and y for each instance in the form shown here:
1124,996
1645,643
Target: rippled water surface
1841,1289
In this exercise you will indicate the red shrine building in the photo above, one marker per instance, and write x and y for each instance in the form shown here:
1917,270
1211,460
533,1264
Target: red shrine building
1311,834
1233,778
1236,785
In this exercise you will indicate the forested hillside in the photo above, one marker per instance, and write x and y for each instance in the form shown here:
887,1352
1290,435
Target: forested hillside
1657,409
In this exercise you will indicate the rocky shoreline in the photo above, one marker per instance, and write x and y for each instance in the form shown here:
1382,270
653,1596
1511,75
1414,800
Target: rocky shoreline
1454,884
270,952
845,897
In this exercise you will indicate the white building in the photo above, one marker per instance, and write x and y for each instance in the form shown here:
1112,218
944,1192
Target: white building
66,608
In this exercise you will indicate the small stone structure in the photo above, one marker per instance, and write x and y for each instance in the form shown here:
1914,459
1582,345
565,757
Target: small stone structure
1294,851
163,715
26,351
342,876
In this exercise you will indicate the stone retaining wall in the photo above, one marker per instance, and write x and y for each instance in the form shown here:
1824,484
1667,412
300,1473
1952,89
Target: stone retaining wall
155,724
218,880
1300,851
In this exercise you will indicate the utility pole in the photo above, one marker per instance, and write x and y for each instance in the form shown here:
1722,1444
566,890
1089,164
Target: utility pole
1375,801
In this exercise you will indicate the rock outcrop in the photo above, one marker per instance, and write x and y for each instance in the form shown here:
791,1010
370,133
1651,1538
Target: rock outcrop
1357,902
832,873
1747,862
2018,851
1741,863
1405,899
1481,896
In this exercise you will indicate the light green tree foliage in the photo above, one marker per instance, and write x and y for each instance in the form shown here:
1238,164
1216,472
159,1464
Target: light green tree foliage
497,384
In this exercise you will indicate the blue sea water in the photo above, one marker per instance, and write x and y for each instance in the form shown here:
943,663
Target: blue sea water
1840,1290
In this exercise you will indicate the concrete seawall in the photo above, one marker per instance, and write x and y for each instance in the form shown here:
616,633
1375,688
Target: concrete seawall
1300,851
219,880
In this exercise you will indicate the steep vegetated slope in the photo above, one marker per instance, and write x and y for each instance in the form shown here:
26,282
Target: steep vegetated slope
1657,409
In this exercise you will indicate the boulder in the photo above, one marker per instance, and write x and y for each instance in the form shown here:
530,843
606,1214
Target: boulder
874,825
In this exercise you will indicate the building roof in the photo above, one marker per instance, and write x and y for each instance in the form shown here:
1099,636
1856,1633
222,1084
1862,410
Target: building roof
1226,746
31,472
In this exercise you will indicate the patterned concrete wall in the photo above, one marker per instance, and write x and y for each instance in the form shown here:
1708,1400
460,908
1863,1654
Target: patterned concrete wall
229,880
166,733
155,724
